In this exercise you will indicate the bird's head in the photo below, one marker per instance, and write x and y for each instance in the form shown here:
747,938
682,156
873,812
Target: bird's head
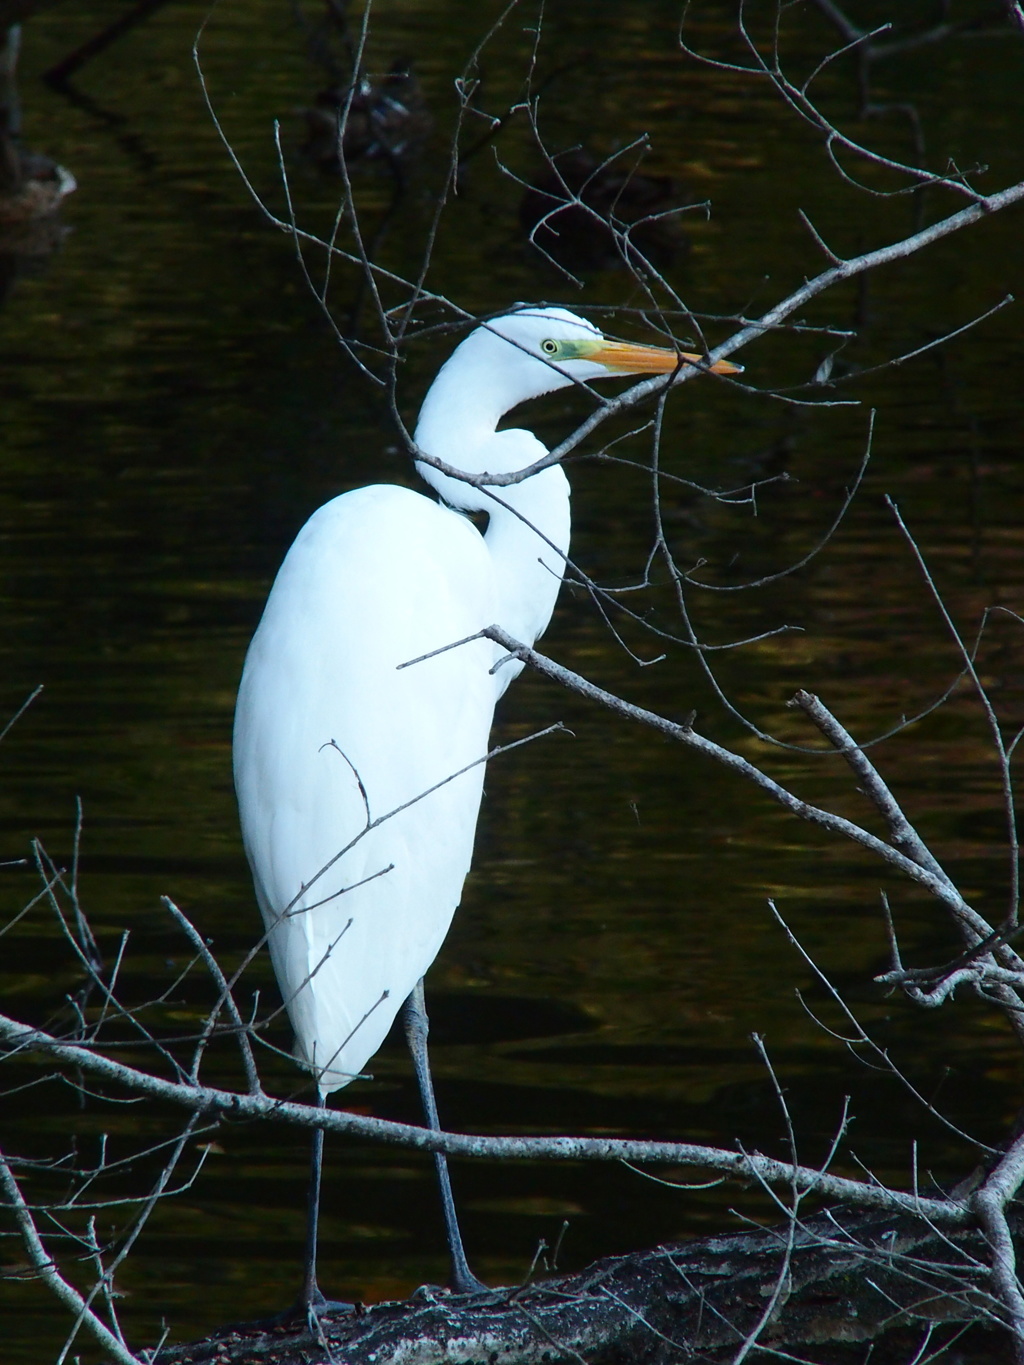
520,355
534,350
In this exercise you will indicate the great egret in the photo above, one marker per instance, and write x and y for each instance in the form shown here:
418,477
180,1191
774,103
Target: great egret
331,734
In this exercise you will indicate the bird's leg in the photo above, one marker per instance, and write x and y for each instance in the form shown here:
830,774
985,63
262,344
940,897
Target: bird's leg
311,1300
414,1017
311,1294
311,1303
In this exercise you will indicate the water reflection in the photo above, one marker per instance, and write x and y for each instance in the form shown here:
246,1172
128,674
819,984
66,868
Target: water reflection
568,208
32,186
172,412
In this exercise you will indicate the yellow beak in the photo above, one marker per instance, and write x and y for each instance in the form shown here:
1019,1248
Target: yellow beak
627,358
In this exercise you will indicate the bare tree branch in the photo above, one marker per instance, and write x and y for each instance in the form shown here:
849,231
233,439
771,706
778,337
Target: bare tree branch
48,1273
210,1101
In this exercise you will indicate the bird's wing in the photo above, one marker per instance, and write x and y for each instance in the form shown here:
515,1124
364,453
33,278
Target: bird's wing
331,736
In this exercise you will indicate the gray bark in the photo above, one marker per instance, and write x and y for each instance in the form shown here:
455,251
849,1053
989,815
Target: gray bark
836,1279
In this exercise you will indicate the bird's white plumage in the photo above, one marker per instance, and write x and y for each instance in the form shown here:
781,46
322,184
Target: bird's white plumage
323,700
375,578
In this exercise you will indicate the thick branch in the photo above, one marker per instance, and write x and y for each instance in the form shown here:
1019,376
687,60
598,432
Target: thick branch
990,1203
901,831
214,1102
847,1277
938,885
905,837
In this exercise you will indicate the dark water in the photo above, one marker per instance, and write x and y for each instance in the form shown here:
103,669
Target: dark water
173,407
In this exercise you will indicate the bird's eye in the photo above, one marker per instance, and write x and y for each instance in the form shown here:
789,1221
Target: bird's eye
549,347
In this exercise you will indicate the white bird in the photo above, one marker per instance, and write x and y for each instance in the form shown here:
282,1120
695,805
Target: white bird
332,734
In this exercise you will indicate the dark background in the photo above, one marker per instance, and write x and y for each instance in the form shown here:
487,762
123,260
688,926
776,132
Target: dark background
173,406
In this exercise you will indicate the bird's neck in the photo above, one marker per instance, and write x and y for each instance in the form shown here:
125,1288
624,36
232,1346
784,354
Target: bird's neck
458,419
528,523
528,539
